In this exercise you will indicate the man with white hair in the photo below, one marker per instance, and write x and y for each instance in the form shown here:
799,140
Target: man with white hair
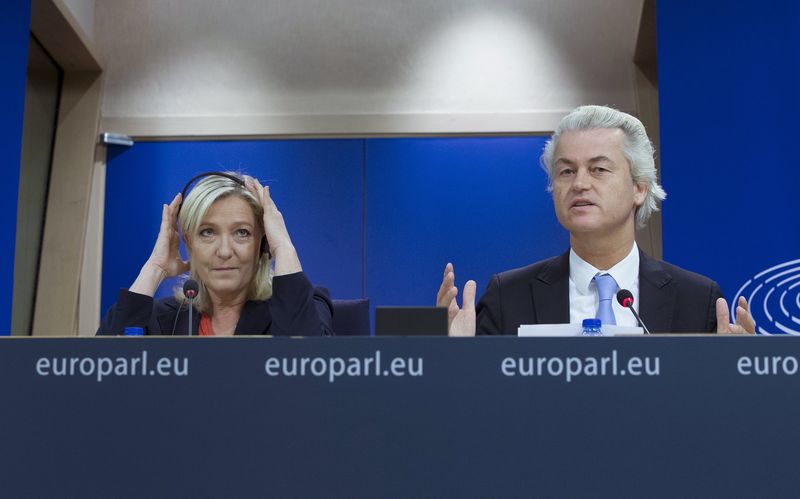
603,180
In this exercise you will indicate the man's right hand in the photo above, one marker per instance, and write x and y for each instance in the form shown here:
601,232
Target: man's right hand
461,321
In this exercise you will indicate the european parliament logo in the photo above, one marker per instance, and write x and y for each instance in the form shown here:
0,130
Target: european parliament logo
774,298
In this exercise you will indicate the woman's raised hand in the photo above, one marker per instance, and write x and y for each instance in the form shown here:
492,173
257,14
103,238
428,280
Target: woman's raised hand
165,260
278,240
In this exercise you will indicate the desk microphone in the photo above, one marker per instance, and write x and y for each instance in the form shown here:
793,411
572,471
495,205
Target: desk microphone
190,288
625,298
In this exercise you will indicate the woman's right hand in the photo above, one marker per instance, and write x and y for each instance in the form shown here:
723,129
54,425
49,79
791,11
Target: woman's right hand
165,260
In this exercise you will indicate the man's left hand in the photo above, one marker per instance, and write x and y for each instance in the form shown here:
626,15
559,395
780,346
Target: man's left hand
744,321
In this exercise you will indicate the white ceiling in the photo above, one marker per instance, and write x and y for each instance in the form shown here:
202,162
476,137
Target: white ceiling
188,58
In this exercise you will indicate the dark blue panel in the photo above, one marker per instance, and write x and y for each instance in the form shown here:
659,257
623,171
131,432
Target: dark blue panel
14,36
477,202
214,422
315,183
728,79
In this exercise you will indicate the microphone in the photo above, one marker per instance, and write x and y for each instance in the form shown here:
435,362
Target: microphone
190,288
625,298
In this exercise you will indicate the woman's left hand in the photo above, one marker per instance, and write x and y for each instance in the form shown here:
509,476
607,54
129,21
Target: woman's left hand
278,240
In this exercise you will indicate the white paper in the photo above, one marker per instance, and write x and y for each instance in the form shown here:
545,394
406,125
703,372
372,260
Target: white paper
573,330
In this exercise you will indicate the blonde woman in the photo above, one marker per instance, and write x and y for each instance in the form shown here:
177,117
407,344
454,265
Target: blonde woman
240,254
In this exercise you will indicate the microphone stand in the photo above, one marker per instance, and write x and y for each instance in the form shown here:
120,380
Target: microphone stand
625,298
190,288
639,320
191,309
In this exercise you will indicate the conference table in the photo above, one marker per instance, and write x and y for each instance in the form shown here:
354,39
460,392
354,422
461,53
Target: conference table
660,416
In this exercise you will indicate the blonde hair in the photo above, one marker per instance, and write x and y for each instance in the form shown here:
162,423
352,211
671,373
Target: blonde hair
194,208
637,148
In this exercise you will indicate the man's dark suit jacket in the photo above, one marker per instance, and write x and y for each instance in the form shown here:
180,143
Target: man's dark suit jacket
671,299
296,309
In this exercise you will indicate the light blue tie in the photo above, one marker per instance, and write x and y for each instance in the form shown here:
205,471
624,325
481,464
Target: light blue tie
606,288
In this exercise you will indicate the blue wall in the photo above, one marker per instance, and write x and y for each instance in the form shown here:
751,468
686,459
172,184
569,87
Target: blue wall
14,35
376,218
477,202
728,86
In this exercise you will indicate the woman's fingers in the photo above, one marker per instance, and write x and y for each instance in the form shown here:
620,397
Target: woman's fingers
169,214
166,251
254,186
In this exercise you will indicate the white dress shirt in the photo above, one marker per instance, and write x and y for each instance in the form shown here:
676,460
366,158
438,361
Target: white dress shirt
583,298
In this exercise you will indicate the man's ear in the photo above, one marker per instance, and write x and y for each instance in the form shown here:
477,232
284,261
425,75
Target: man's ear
639,193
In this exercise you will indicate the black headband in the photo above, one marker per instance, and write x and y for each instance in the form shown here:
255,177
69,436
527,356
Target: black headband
192,180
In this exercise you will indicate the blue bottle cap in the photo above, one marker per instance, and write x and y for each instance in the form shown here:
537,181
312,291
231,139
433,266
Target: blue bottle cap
592,323
134,331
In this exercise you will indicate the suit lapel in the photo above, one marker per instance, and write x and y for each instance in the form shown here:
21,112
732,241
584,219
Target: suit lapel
656,294
255,318
550,290
167,319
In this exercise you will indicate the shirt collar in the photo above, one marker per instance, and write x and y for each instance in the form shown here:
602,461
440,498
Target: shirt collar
626,272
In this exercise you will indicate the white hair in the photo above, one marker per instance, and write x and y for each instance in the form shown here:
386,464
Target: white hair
637,149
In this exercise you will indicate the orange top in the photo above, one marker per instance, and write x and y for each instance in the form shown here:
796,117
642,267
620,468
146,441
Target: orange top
205,327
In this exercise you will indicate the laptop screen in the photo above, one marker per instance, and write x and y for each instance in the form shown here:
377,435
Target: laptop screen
410,321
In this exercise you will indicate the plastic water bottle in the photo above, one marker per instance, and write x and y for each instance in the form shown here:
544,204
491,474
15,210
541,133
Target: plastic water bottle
591,327
134,331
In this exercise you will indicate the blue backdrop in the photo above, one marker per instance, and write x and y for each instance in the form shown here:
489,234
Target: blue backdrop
376,218
728,80
14,36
